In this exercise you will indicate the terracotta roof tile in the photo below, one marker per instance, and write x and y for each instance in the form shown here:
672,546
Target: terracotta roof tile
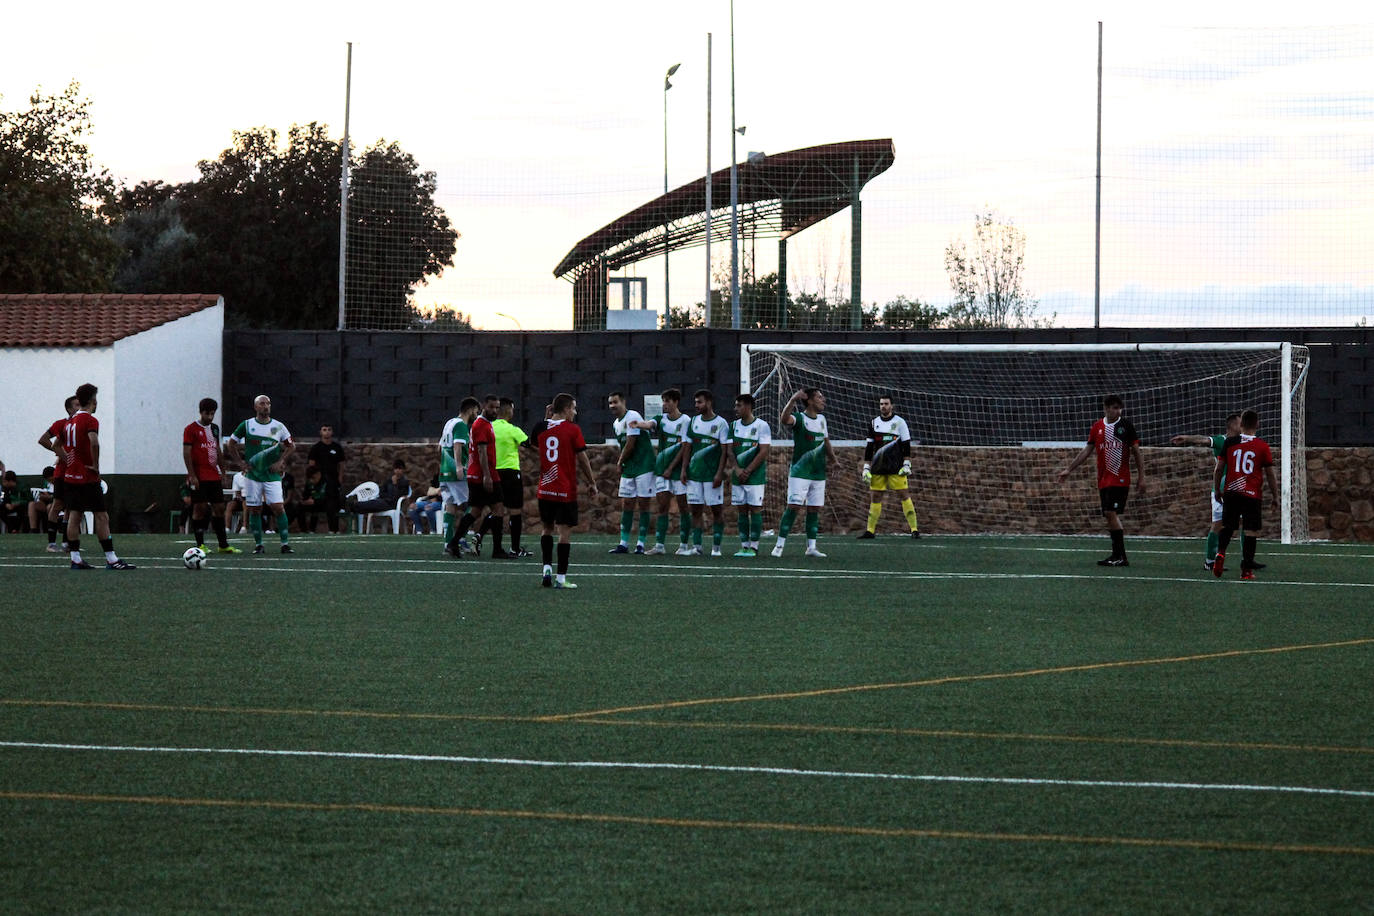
89,320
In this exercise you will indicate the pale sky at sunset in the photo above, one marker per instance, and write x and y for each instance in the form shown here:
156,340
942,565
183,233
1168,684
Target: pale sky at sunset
545,121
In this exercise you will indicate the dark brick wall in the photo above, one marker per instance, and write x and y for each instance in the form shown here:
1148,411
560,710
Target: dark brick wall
404,385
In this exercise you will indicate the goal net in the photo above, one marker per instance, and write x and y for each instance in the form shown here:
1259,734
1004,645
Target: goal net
991,425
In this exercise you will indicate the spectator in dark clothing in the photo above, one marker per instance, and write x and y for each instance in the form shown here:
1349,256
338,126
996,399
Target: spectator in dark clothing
329,456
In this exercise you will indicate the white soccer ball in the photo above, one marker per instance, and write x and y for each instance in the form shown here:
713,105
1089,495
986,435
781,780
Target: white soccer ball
194,557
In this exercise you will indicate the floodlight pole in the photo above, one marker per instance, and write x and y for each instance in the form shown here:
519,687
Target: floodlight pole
1097,219
666,86
708,179
343,192
734,186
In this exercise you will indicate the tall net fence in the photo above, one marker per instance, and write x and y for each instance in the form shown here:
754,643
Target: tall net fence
991,426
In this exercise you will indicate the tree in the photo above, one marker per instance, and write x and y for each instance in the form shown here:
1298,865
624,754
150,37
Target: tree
261,226
902,314
988,284
54,200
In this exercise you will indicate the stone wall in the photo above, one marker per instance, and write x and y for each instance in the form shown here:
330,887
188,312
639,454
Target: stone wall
959,490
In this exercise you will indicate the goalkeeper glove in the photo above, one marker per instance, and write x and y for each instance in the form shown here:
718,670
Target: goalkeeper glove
906,468
868,475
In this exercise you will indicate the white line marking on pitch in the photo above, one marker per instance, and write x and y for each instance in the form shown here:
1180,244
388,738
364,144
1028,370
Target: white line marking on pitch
704,768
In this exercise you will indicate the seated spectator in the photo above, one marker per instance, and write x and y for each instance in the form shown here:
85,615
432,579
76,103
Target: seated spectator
14,508
315,501
291,500
38,508
393,490
424,512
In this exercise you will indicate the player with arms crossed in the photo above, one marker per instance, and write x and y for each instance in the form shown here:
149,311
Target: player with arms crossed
671,455
704,473
562,453
453,476
803,415
750,441
887,465
1245,466
52,441
81,442
1218,446
636,466
262,444
200,452
1111,437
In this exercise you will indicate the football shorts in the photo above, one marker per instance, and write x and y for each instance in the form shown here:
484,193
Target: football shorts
208,491
512,489
84,497
705,493
882,482
640,487
802,491
556,512
1241,511
453,492
261,492
1113,498
746,494
670,485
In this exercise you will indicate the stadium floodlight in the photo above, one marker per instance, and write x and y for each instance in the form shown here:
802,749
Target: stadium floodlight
992,423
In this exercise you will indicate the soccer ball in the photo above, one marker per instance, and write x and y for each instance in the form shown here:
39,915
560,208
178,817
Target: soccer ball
194,557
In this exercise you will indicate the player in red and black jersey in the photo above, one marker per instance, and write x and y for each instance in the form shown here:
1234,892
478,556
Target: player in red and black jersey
484,480
81,442
200,451
1113,437
1246,464
52,441
562,452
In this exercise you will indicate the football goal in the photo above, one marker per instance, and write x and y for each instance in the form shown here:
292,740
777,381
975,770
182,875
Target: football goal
991,425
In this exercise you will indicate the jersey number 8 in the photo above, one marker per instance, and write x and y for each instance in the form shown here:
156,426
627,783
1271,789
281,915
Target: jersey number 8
551,449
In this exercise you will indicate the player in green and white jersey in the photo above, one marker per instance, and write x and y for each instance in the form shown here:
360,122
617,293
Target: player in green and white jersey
1218,446
750,441
636,466
453,475
802,416
673,452
262,445
704,474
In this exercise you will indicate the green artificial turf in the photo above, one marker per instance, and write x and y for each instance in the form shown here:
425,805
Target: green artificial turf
948,725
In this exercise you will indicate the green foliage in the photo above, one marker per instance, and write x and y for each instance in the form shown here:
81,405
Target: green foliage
988,282
807,311
261,226
444,318
54,231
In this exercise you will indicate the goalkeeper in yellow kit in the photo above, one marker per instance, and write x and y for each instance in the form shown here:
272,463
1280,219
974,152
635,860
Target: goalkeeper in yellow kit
887,465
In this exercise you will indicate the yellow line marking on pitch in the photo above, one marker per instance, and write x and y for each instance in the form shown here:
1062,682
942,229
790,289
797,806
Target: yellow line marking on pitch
690,823
953,679
268,711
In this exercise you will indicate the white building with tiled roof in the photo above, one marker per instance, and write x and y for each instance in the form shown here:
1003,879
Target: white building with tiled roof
153,358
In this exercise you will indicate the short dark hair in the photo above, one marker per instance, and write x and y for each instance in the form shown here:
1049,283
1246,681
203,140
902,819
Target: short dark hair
85,393
671,394
809,394
616,394
562,402
468,404
209,404
399,463
704,393
1230,417
10,475
507,402
744,398
1113,400
47,472
887,396
1249,419
488,398
73,399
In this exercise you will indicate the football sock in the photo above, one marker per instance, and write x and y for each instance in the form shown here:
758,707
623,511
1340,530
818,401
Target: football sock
874,510
1119,544
661,531
255,526
466,523
546,548
696,536
1247,552
75,547
789,515
1212,538
746,528
627,520
217,522
813,528
107,545
52,531
516,528
644,518
283,527
756,528
717,533
564,551
448,528
198,529
684,526
909,510
1224,540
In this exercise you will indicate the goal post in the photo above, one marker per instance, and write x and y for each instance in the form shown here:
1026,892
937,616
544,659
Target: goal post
992,423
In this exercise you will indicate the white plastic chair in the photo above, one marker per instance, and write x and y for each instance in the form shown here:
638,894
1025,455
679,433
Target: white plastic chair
362,492
391,515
